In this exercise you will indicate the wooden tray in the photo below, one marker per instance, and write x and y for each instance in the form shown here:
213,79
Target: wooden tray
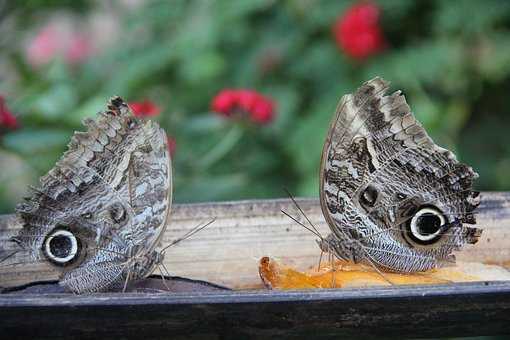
227,254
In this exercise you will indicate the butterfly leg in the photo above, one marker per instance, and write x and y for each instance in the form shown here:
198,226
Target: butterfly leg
127,280
320,261
161,266
163,277
370,262
333,269
167,273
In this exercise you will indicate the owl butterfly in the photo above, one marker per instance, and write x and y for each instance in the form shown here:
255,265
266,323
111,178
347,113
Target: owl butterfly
392,198
101,211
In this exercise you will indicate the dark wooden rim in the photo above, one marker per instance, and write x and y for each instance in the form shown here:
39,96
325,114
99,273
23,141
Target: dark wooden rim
256,296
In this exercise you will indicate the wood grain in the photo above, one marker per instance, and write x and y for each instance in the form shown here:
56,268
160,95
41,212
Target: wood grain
227,252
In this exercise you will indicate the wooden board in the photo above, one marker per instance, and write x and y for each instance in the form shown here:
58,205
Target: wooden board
228,251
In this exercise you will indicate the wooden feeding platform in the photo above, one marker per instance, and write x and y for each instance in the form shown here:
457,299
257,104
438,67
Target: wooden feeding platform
217,291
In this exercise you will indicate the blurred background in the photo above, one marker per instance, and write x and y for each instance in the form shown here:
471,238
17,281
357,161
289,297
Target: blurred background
246,89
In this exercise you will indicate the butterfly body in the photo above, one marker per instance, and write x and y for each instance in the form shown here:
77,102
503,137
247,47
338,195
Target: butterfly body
100,212
388,191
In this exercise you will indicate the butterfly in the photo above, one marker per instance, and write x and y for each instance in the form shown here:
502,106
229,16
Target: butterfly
99,214
392,198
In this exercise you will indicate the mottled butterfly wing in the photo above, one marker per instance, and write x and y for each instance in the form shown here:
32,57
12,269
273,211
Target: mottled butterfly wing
100,212
390,195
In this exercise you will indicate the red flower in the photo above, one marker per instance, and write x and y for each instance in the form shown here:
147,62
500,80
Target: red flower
7,119
358,32
247,99
224,102
145,108
263,111
259,108
171,145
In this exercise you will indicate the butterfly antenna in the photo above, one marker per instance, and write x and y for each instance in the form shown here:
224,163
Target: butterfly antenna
313,231
302,212
189,234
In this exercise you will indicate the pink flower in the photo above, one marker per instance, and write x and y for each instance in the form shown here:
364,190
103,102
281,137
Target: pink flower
7,119
358,32
79,49
257,107
145,108
58,39
44,47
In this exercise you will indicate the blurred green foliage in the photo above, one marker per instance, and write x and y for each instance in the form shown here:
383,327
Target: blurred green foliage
450,58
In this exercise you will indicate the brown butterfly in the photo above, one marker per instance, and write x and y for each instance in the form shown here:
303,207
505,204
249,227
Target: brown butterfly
392,198
101,211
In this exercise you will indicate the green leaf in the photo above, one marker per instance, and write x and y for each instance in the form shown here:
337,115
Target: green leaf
56,103
493,56
202,68
33,141
88,109
469,17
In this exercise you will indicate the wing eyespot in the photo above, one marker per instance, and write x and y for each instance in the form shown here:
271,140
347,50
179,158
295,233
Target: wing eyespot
61,247
369,196
426,226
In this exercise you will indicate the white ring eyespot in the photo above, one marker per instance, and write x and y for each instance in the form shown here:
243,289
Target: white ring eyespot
61,247
426,225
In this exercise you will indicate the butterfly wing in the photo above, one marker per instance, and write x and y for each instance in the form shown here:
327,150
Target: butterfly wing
390,195
106,200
